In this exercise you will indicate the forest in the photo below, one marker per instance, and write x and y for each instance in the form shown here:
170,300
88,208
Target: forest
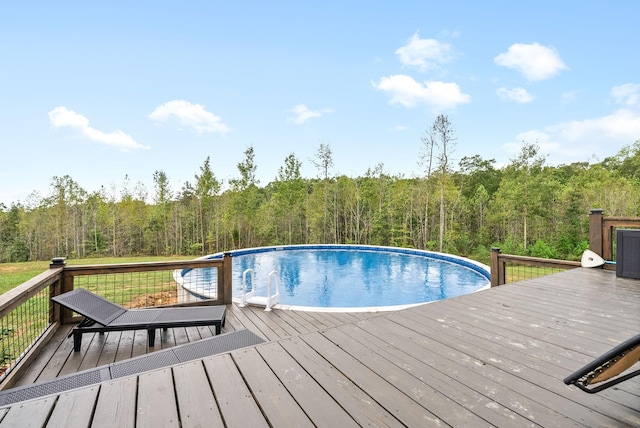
526,207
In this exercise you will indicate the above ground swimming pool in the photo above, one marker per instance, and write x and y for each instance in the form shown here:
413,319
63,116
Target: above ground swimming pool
346,276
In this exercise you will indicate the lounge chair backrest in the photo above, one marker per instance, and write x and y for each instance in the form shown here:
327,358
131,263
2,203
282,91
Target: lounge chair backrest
90,305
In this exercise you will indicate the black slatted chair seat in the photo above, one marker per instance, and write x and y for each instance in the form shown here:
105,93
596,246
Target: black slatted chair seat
179,315
145,317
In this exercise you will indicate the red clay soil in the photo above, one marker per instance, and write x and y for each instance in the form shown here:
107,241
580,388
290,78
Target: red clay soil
156,299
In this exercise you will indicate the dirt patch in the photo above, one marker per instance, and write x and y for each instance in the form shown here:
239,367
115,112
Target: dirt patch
155,299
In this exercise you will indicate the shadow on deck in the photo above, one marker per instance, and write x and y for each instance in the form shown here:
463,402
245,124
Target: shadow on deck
496,357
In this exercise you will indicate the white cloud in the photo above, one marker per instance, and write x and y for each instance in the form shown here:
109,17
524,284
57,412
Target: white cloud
61,117
424,54
406,91
519,95
193,116
534,61
628,94
578,140
622,124
569,97
302,113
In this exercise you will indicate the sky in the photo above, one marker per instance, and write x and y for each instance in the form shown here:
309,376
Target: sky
110,92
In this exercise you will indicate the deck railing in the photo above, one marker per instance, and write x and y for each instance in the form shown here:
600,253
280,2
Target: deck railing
507,268
602,231
28,318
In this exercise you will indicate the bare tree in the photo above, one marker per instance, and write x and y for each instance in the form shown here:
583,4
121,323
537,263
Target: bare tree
324,162
443,129
426,160
440,136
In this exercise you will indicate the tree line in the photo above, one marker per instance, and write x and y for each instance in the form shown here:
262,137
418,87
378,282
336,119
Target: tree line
526,207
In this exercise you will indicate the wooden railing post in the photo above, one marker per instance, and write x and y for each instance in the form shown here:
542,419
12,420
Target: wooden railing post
55,290
595,231
62,315
227,274
496,267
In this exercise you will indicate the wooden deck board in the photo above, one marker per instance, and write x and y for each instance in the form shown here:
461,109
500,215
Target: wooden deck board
125,347
511,394
310,396
31,414
614,312
275,401
499,367
297,322
47,363
110,348
156,400
399,393
492,358
195,399
579,338
233,396
362,408
585,323
116,404
248,317
421,365
74,408
266,322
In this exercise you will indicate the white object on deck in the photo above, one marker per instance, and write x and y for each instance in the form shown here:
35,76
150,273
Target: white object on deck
591,259
250,298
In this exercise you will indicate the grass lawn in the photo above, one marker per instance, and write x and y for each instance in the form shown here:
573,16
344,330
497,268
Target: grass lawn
14,274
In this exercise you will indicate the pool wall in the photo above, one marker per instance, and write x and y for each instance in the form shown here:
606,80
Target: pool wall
478,267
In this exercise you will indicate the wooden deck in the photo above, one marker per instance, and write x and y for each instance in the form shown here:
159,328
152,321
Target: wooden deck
492,358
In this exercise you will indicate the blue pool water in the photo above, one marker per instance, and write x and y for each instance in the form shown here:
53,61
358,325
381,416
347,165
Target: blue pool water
345,276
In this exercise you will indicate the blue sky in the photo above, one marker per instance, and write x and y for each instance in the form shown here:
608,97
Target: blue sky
103,90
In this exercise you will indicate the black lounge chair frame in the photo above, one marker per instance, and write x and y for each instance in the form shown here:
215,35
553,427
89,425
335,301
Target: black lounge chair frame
165,358
588,374
101,315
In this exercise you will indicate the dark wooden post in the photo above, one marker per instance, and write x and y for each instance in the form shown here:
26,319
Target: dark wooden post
227,289
595,231
497,268
56,289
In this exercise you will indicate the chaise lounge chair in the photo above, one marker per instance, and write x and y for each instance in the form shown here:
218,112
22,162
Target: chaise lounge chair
608,367
101,315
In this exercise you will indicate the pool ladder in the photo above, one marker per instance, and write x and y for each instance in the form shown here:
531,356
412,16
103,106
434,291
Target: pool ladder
250,298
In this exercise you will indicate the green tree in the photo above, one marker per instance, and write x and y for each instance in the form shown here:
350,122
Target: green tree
159,224
626,161
246,201
526,190
289,197
207,192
